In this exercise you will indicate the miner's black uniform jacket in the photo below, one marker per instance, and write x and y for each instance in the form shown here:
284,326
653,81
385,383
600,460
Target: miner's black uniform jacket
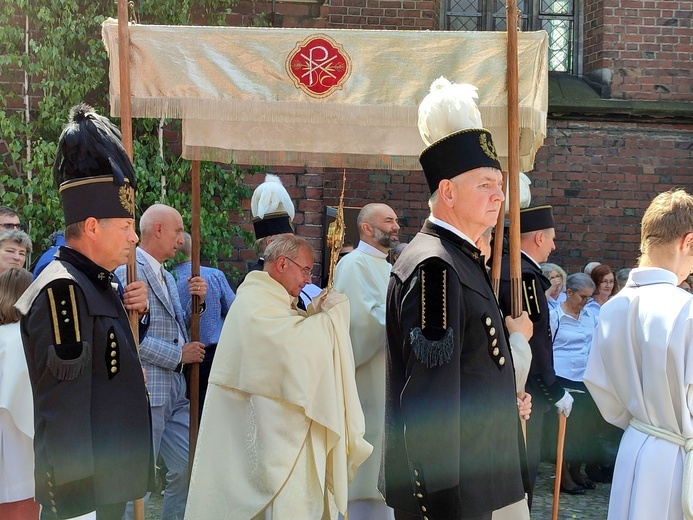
453,446
92,441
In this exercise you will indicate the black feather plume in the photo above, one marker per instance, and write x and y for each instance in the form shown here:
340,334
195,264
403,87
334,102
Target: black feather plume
90,145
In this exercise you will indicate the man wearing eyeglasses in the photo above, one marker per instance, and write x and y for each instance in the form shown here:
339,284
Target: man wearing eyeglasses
282,407
9,218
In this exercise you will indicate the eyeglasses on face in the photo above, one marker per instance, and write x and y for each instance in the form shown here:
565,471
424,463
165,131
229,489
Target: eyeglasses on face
307,271
11,225
607,282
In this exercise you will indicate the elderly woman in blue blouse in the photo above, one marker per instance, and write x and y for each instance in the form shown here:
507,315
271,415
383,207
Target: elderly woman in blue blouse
555,294
572,327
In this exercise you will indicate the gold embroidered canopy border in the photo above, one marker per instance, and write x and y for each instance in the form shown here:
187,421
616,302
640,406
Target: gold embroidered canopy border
332,98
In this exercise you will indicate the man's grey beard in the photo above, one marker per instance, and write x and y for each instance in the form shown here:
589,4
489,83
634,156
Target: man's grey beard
384,239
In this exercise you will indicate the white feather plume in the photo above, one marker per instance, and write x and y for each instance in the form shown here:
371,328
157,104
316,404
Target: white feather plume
271,197
448,108
525,193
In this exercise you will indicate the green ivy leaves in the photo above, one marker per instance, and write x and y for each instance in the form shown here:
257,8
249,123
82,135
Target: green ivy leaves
66,63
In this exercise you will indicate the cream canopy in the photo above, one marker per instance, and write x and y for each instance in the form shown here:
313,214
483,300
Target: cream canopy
234,91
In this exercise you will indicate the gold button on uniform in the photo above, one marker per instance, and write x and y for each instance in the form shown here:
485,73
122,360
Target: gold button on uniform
114,344
113,353
501,361
492,331
419,495
114,370
488,322
496,351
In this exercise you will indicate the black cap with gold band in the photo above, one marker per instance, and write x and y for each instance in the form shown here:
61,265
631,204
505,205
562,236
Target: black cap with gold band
92,169
96,197
458,153
536,218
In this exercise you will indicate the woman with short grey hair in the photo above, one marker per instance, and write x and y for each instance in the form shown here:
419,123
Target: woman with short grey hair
555,295
572,327
14,246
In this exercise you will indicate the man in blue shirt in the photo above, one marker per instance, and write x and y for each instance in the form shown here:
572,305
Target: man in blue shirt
219,298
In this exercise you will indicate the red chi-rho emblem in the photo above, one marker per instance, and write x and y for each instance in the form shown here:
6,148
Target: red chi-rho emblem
318,66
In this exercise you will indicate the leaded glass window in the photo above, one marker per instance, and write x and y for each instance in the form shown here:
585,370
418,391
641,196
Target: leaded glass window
557,17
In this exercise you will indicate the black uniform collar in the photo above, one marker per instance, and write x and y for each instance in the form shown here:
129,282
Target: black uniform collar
468,249
98,275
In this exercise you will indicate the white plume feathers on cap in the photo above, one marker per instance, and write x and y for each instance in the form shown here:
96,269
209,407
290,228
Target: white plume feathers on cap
271,197
448,108
525,193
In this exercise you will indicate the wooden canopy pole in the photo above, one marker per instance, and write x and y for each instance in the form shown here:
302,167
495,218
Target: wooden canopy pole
497,254
126,132
514,161
195,318
559,465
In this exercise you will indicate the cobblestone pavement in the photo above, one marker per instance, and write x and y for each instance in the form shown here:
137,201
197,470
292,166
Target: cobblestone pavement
590,506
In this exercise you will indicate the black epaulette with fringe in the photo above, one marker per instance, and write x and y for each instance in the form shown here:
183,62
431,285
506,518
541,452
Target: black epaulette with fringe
433,342
69,355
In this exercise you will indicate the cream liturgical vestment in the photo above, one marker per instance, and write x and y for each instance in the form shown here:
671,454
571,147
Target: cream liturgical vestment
282,429
363,276
640,373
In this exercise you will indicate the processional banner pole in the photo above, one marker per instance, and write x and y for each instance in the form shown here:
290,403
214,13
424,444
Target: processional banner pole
195,318
126,132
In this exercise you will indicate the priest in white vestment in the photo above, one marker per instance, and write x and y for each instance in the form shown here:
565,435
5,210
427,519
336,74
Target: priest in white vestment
282,432
362,276
640,369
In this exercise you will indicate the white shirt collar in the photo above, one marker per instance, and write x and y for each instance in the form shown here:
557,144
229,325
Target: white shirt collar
531,260
449,227
370,250
153,262
651,275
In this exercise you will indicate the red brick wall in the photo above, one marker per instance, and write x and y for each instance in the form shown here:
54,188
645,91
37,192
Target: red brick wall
286,14
600,178
383,14
647,45
594,37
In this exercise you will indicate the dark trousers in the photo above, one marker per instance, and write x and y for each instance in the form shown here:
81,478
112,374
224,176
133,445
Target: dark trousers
205,369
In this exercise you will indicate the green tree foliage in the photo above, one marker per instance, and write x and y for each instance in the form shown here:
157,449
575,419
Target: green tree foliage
65,64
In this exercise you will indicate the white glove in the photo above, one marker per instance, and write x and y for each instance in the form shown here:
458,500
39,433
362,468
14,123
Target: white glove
324,301
565,404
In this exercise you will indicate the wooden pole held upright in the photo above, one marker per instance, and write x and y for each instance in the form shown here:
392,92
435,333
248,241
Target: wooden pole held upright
514,161
195,318
126,132
562,421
